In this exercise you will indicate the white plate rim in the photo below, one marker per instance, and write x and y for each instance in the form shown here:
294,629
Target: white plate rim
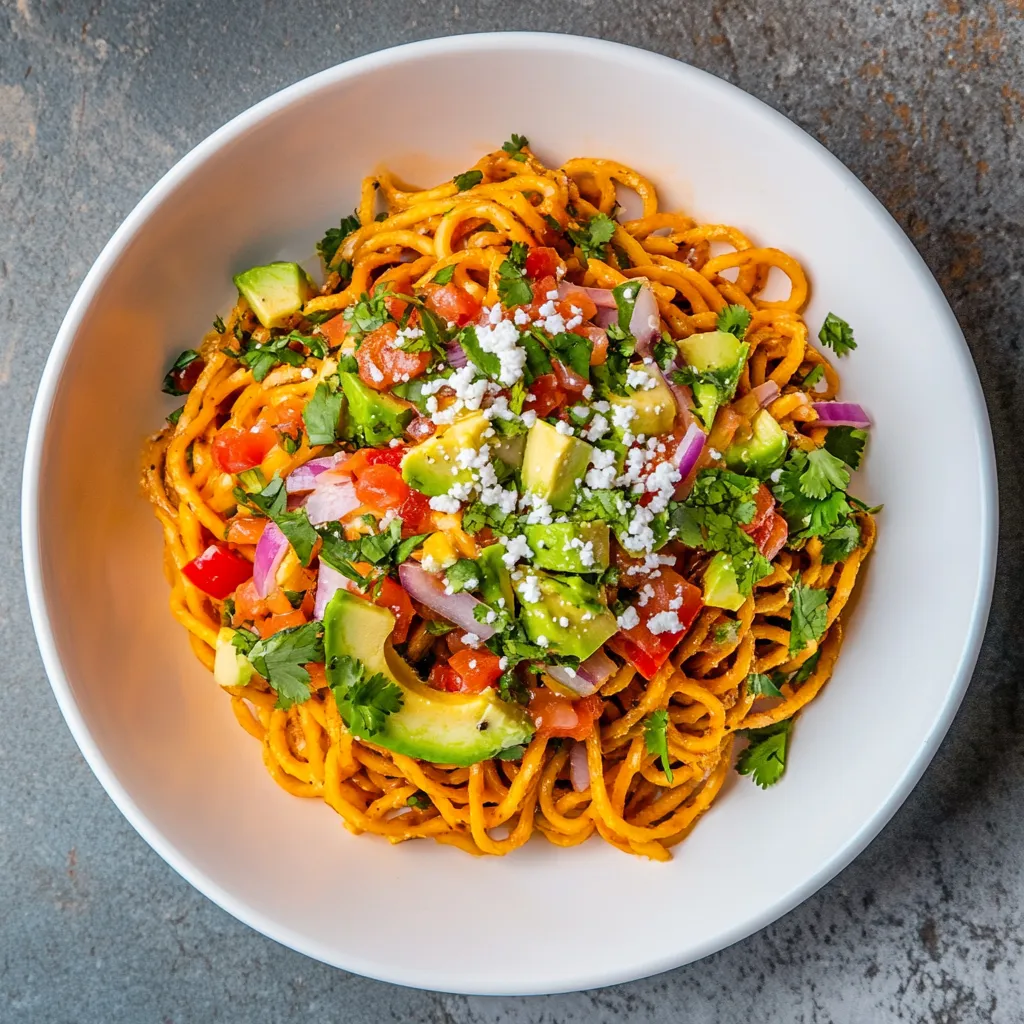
164,847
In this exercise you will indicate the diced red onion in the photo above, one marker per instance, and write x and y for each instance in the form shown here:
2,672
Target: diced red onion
603,298
305,476
456,355
588,678
765,393
329,582
579,769
270,549
645,323
690,449
606,317
331,500
428,589
841,414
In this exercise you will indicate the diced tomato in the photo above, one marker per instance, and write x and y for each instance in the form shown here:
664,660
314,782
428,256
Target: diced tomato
246,529
568,379
249,606
415,512
395,306
541,289
392,596
443,678
542,262
285,620
185,378
476,670
357,463
334,330
285,417
555,715
771,534
381,487
644,650
584,303
547,395
236,449
764,505
453,304
218,571
382,364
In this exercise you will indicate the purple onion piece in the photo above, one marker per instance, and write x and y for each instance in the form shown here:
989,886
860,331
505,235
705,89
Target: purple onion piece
270,549
841,414
428,589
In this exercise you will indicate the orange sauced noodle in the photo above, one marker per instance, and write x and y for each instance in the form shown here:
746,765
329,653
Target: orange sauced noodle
642,759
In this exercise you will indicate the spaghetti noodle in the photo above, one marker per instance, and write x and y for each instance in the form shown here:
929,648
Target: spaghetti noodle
698,656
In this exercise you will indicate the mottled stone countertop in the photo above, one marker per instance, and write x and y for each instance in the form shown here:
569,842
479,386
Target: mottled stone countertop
923,99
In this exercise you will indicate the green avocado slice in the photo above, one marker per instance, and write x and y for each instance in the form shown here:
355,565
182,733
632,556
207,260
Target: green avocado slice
275,291
443,728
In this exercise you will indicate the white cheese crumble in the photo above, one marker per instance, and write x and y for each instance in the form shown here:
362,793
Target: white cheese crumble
597,429
563,428
307,373
628,619
529,590
563,621
521,317
516,549
664,622
471,639
444,503
602,475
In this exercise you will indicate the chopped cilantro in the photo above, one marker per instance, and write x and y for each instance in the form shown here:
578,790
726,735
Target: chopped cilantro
841,542
419,800
837,335
573,350
369,313
173,417
809,494
261,358
513,288
513,753
805,671
512,689
764,759
281,657
486,362
364,701
734,320
444,275
810,616
478,515
322,413
463,575
656,738
329,245
437,628
846,443
823,475
537,361
665,352
760,685
515,146
813,377
172,381
593,237
218,324
272,502
468,179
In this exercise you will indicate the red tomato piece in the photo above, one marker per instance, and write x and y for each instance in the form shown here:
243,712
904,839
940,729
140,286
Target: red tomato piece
764,505
249,606
542,261
598,338
246,529
584,303
381,487
185,378
476,670
357,463
771,534
568,380
283,620
218,571
555,715
382,364
334,330
236,449
547,395
415,512
453,304
392,596
647,651
443,678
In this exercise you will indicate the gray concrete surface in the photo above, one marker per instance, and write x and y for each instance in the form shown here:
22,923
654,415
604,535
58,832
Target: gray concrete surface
923,100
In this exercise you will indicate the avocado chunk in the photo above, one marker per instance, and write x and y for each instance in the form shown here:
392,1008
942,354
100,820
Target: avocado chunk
230,666
553,464
275,292
655,408
716,359
570,617
569,547
720,586
372,416
443,728
433,467
495,580
763,451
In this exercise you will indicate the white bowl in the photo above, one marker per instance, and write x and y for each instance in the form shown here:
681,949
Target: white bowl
161,737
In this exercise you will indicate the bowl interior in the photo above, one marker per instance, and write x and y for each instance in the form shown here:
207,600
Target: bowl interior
161,736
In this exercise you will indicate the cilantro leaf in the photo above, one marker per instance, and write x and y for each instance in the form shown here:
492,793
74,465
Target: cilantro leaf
322,414
478,515
760,685
329,245
364,701
764,759
841,542
271,502
806,670
513,753
517,398
408,546
513,288
419,800
734,320
517,253
593,236
218,324
665,352
173,381
537,361
574,351
837,335
261,358
813,377
468,179
823,475
435,627
444,275
810,616
366,315
281,657
512,689
463,575
656,738
486,362
515,146
846,443
173,417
